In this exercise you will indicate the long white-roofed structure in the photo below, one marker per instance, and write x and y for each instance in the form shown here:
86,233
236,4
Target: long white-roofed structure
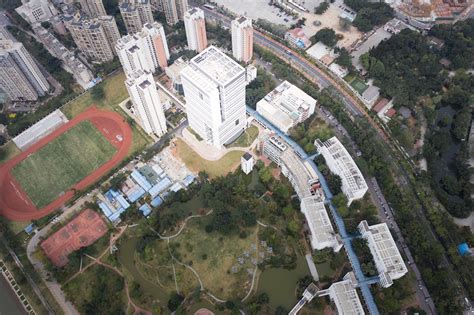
322,231
387,257
344,296
341,163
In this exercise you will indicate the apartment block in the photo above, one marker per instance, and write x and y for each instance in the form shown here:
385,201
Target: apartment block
146,50
93,8
322,231
214,88
242,39
20,77
94,37
142,90
388,260
174,10
195,26
286,106
135,14
341,163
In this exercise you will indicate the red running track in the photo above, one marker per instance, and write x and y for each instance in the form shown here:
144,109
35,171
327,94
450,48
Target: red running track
15,203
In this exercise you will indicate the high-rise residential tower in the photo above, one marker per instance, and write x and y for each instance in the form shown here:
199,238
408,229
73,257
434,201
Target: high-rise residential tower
20,77
242,39
195,26
135,14
144,95
214,88
93,8
146,50
94,37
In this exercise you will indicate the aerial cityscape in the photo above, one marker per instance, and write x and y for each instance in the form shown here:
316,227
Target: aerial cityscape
236,157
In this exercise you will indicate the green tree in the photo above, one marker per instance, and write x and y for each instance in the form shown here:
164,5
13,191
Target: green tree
265,175
326,35
98,92
321,8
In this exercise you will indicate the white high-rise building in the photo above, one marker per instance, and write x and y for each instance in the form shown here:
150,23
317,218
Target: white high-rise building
146,50
214,88
247,162
142,90
93,8
20,77
242,39
195,26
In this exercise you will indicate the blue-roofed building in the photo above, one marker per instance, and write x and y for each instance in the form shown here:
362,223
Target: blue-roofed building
464,249
132,190
156,202
113,205
141,180
145,209
30,228
188,180
160,187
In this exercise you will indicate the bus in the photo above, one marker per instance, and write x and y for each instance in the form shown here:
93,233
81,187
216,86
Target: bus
208,6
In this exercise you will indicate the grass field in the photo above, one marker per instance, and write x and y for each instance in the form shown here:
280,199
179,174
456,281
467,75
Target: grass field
62,163
245,139
114,91
213,168
359,85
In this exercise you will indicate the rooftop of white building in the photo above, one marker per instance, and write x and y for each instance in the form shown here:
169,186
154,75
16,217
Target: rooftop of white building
347,169
385,246
318,220
346,298
219,67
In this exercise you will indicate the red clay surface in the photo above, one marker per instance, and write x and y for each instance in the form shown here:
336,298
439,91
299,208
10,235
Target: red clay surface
82,231
15,203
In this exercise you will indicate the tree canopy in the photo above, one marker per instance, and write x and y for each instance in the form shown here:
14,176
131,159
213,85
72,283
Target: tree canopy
326,35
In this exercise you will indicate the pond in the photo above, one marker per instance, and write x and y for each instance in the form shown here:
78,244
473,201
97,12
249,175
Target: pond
9,304
280,284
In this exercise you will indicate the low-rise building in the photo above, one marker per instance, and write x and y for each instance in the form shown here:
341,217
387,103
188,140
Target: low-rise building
388,260
344,296
341,163
286,106
301,175
174,73
36,10
370,95
322,53
251,73
338,70
247,162
322,231
297,38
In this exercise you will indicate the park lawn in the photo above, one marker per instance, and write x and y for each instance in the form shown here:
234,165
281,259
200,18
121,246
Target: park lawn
246,138
213,255
63,162
214,169
8,151
114,93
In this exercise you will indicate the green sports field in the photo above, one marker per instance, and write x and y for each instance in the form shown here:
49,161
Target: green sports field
63,162
359,85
